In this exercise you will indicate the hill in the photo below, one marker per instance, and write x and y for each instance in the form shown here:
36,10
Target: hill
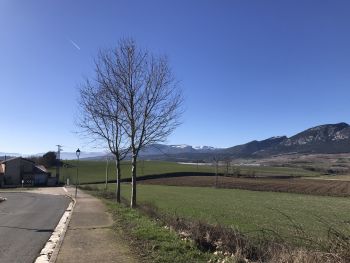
323,139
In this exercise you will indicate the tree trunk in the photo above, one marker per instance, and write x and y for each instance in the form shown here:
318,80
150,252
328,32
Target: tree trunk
117,166
133,181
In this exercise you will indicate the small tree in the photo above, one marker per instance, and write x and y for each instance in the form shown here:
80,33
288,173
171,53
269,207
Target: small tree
149,97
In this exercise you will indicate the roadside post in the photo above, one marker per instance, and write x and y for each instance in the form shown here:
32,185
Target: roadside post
107,168
77,177
22,183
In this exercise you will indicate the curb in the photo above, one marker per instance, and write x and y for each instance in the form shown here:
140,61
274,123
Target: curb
50,251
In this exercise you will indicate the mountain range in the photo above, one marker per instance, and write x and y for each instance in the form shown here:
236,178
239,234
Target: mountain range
323,139
328,138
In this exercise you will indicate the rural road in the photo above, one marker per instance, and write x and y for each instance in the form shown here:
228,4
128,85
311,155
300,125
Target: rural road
27,221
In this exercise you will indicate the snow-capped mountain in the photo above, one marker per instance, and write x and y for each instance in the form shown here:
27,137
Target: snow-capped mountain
204,148
180,146
162,149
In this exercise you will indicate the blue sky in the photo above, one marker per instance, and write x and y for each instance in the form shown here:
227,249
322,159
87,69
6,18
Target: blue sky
249,69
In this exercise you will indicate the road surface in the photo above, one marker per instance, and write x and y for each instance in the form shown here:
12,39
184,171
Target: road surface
27,221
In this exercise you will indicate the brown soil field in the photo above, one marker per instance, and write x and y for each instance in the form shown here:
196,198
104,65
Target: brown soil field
297,185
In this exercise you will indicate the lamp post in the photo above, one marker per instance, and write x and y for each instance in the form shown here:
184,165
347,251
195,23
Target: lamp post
77,177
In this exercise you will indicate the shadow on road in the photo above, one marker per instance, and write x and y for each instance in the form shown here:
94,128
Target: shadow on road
29,229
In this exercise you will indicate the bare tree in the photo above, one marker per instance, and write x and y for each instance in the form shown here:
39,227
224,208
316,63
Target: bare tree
101,115
149,97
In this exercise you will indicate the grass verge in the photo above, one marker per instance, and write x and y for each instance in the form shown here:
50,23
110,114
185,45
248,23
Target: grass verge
249,211
156,234
149,238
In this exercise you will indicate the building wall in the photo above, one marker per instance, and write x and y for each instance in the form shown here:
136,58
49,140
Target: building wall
15,169
13,172
27,167
18,169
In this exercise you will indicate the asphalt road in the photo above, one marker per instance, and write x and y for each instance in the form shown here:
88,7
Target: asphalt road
27,221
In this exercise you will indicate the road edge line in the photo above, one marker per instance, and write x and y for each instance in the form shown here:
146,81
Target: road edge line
52,247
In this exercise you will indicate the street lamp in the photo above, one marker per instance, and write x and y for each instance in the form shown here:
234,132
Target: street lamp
77,177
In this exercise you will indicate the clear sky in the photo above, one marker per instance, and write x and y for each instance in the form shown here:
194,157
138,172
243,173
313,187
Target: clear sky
249,69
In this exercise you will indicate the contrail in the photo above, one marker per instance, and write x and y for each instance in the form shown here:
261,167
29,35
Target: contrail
74,44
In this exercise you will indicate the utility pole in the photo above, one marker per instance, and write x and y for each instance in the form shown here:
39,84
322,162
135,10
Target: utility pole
58,157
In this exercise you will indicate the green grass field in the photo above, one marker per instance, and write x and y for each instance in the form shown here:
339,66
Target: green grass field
249,211
95,171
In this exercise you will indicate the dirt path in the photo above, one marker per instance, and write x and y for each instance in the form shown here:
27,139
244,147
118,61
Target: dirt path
90,237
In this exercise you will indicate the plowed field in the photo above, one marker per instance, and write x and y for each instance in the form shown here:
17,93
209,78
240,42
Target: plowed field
303,186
